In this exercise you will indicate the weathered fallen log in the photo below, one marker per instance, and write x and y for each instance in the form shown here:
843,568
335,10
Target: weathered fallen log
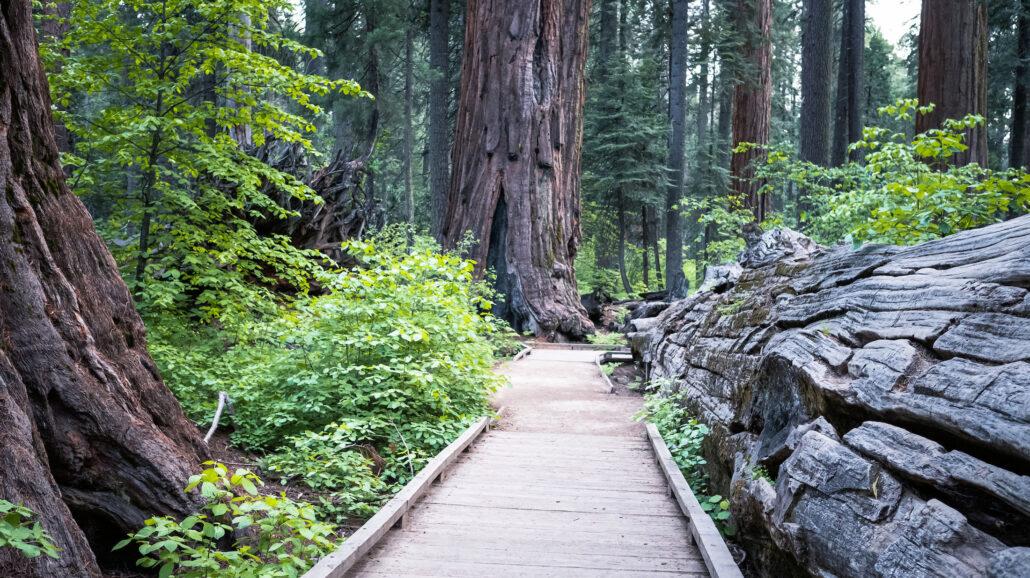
870,409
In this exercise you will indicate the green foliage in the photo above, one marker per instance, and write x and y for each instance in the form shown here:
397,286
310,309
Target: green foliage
907,191
18,531
760,472
609,368
683,436
270,536
607,338
399,339
154,93
720,219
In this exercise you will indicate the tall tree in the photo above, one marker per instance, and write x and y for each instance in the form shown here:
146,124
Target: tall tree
515,183
752,103
1019,137
89,435
848,109
953,69
439,102
816,68
675,281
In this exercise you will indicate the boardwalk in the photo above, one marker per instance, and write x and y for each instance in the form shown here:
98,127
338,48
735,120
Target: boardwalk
565,486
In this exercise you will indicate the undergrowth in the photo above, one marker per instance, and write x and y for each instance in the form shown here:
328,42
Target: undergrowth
683,435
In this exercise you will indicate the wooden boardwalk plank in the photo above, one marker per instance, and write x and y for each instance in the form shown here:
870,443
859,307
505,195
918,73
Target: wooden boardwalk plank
549,494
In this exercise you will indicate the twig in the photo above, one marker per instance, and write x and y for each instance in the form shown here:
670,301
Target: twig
411,464
223,399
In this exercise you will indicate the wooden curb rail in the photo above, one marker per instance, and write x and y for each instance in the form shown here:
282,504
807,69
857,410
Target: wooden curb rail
713,548
336,564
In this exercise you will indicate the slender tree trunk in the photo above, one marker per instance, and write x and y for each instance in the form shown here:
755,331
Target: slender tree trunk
517,148
816,68
623,26
645,236
54,28
409,132
752,106
439,124
676,282
622,243
727,80
953,69
90,438
655,248
856,73
841,114
242,133
1019,137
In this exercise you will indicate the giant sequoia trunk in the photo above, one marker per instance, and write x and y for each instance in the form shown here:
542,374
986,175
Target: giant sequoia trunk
953,69
89,435
439,99
752,104
515,181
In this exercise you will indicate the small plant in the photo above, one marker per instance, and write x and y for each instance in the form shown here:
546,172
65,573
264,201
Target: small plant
730,308
18,531
719,510
606,339
761,473
273,536
609,368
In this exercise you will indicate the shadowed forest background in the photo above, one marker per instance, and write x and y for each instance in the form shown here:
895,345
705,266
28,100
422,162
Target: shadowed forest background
341,214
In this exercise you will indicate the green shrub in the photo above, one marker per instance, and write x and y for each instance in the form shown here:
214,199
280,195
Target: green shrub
270,536
18,531
906,191
399,339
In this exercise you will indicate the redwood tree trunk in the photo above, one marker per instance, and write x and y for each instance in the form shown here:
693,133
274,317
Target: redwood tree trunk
515,178
953,69
752,103
439,99
89,435
816,69
1018,145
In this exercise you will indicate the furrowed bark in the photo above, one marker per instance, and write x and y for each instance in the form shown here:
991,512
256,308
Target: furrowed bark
90,437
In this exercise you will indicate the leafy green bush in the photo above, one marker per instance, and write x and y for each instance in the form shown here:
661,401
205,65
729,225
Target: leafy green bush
271,536
18,531
906,191
607,338
399,339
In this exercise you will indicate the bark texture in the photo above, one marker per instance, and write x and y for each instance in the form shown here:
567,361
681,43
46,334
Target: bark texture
850,77
752,103
439,99
515,182
953,69
816,70
90,437
675,281
869,410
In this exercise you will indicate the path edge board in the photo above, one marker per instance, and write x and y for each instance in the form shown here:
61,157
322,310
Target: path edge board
336,564
713,548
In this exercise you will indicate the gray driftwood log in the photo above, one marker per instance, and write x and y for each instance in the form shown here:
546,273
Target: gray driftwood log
870,409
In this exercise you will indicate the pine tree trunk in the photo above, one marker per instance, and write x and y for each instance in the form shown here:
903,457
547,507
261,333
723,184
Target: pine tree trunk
655,249
856,73
645,235
816,68
622,244
90,437
1018,138
439,100
676,282
752,105
515,183
409,132
841,115
953,69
